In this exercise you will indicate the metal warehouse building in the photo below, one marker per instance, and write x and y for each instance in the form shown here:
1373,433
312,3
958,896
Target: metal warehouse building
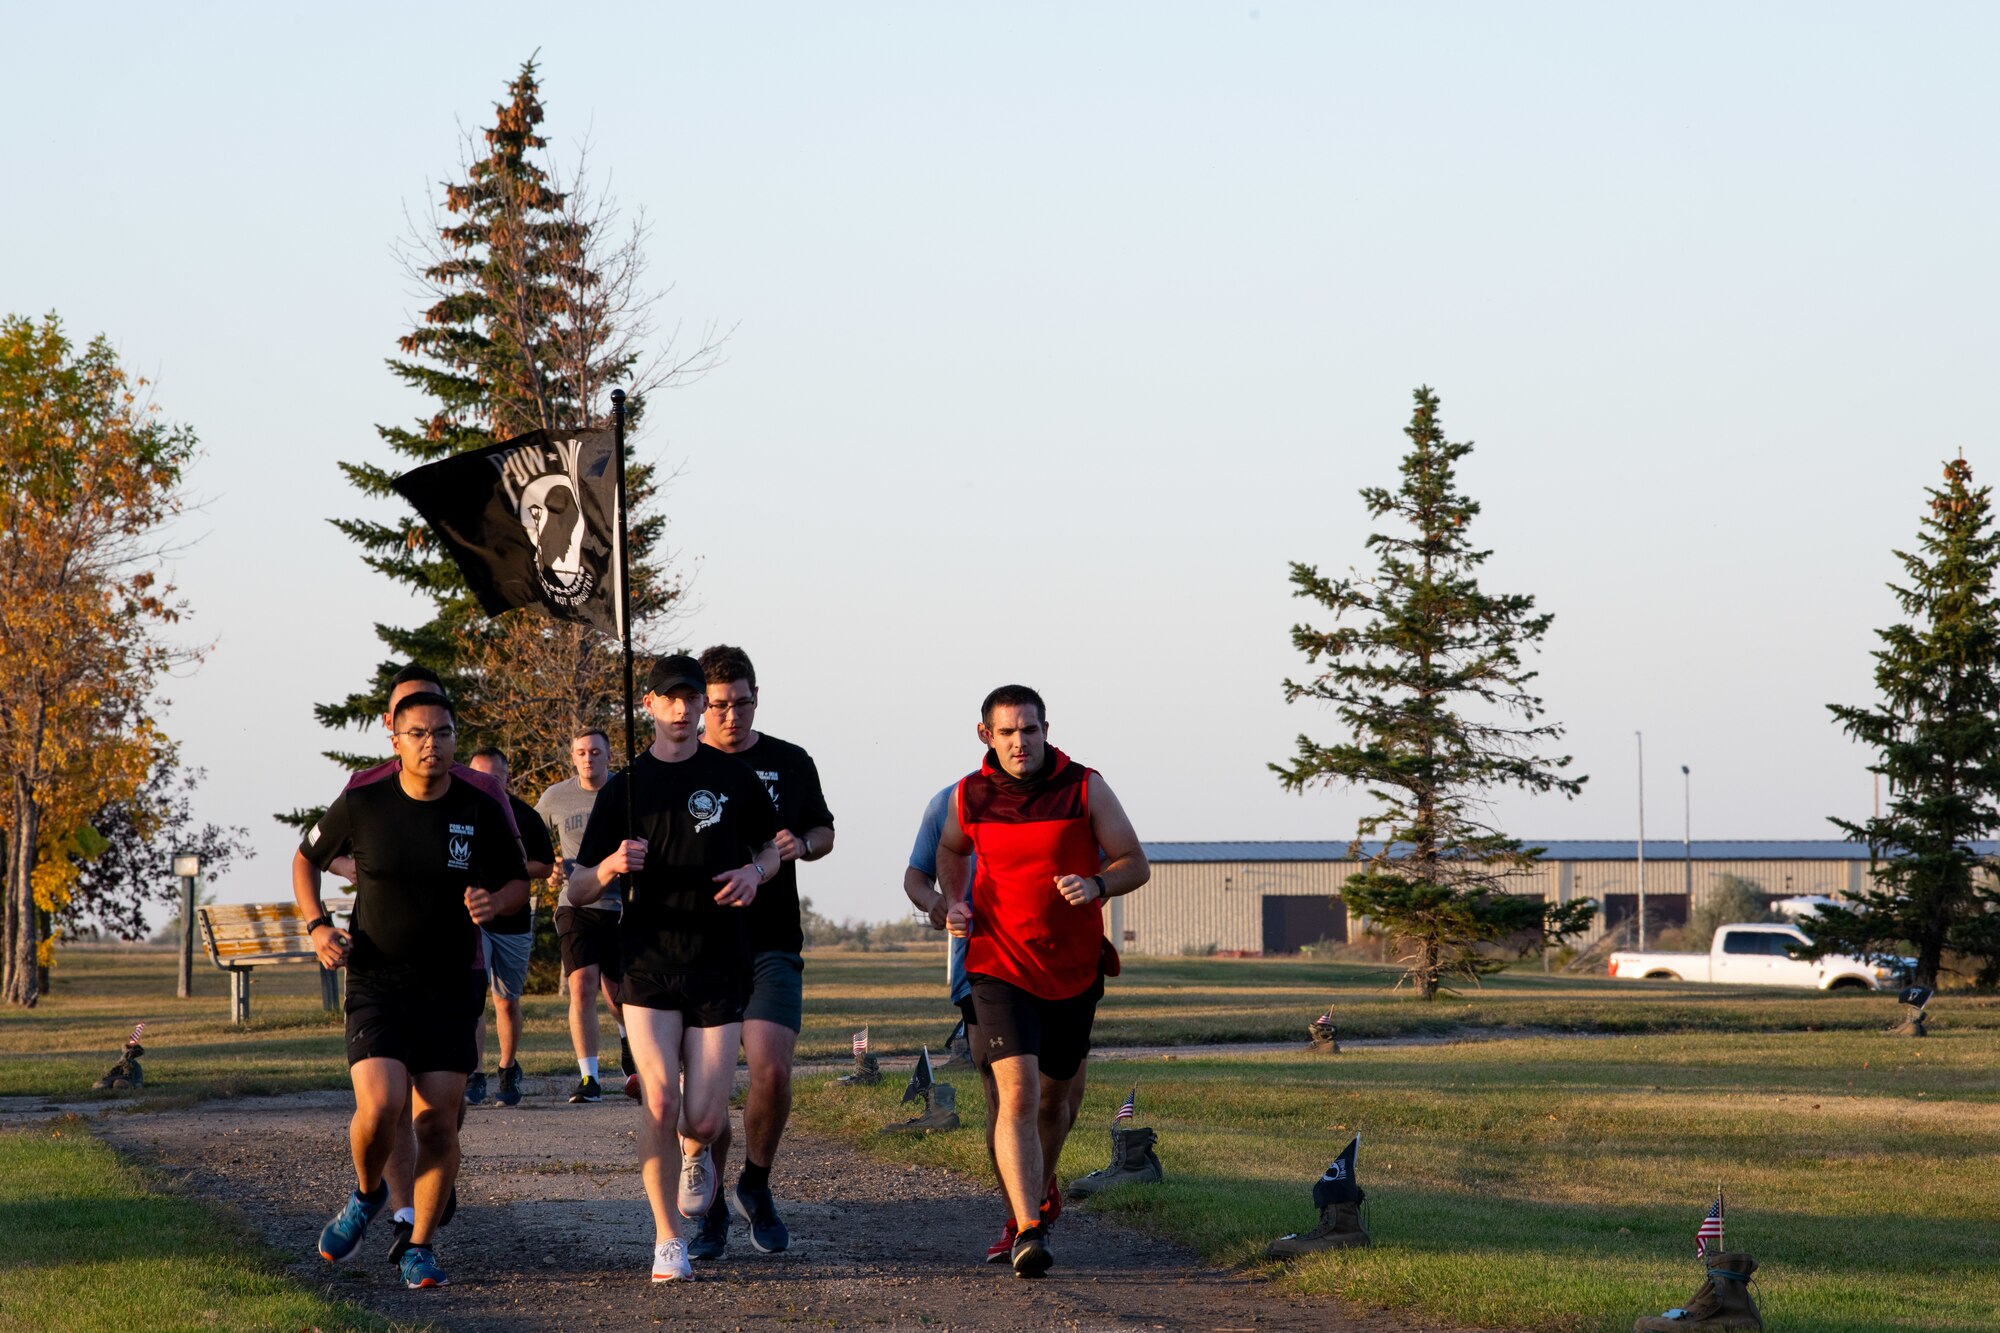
1274,897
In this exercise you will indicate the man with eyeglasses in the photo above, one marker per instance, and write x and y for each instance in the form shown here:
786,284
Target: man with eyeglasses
435,859
697,847
772,1017
412,679
588,935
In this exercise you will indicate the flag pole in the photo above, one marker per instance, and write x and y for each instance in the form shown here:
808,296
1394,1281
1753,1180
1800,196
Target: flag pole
624,607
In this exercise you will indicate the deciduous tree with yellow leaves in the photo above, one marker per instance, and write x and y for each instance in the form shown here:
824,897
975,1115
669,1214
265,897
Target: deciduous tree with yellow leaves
89,476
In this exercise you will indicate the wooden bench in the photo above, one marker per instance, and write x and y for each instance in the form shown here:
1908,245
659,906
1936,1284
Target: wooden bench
243,936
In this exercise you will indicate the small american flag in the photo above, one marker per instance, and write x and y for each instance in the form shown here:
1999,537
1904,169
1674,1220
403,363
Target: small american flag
1326,1017
1710,1228
861,1042
135,1033
1129,1109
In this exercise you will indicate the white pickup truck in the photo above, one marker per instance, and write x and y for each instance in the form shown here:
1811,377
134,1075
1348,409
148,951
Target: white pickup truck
1758,955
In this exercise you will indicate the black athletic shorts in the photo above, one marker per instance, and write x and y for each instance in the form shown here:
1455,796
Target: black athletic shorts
589,938
429,1027
703,1001
1012,1022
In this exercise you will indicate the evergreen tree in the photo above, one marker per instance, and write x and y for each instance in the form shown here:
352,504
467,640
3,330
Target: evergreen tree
1936,738
537,313
1425,670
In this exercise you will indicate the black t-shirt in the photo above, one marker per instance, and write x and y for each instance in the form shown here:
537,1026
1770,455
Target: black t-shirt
535,841
792,780
413,861
699,817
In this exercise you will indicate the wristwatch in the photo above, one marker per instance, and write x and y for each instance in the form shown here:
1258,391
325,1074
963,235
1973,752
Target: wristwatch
316,923
1102,892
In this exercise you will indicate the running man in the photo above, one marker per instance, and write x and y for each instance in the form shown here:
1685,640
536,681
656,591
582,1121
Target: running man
507,941
588,935
706,846
920,887
777,941
412,679
1052,844
435,860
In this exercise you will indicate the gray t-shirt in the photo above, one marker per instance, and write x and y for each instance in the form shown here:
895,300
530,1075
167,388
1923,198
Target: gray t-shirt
567,806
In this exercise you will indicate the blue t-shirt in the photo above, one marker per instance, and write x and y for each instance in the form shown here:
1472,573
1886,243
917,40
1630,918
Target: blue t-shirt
923,858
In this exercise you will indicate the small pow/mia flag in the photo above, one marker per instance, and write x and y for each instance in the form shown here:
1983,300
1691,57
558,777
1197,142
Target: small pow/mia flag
532,521
1337,1185
920,1079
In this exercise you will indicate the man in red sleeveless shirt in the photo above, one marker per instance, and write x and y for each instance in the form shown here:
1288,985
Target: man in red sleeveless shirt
1051,844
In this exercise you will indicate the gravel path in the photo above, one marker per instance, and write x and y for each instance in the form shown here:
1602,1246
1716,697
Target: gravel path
553,1233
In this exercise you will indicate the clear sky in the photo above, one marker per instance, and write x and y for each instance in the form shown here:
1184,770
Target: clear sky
1062,329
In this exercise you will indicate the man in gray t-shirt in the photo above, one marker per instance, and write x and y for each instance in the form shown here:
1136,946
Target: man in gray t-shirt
588,935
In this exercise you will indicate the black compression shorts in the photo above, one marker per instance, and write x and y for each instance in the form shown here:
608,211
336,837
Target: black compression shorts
429,1028
702,1001
1012,1022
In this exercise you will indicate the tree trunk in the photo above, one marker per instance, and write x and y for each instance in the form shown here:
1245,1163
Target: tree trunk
1930,958
17,980
1428,968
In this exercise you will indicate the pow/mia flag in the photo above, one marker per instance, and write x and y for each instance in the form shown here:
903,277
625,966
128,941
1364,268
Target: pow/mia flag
921,1079
532,521
1337,1185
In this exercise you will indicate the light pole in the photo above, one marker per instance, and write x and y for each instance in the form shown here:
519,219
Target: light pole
187,866
1687,830
1640,736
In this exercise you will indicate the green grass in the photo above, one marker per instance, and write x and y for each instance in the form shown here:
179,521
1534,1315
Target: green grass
1554,1184
85,1245
61,1047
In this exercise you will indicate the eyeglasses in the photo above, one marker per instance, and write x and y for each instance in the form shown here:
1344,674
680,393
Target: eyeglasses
420,736
730,705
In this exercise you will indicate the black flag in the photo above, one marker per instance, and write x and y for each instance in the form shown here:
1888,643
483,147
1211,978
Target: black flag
532,521
1337,1185
920,1079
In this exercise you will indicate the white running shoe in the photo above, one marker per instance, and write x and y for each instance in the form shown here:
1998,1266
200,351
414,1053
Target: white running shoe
670,1262
697,1184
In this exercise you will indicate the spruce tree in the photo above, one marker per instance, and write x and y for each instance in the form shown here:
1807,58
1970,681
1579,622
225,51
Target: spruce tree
1936,739
1425,669
534,318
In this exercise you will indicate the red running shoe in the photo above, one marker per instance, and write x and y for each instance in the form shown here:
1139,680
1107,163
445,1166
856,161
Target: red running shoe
1002,1251
1052,1206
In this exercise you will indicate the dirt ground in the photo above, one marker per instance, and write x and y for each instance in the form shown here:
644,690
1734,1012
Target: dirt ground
553,1233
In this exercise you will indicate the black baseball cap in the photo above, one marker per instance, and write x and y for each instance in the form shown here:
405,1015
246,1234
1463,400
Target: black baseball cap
676,669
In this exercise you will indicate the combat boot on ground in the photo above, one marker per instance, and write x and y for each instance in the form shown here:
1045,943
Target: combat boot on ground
867,1072
1723,1300
1339,1229
940,1113
1132,1159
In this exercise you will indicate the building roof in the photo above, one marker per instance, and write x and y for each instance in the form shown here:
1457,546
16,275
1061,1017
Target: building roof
1821,849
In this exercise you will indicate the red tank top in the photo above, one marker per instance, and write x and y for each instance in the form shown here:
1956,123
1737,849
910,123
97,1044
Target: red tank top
1025,834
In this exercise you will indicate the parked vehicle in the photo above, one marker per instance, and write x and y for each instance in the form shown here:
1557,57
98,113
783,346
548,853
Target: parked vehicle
1761,955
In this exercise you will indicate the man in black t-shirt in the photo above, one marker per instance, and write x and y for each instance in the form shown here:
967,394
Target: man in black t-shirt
434,859
508,940
777,941
695,852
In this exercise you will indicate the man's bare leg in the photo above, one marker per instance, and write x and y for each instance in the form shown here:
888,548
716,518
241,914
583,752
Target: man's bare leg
439,1101
381,1115
584,984
1053,1118
507,1020
1017,1144
401,1169
656,1049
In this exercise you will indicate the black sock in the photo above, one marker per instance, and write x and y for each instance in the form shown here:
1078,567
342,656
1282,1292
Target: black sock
754,1177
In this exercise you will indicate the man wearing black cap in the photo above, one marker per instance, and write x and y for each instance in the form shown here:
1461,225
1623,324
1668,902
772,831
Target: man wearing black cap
698,846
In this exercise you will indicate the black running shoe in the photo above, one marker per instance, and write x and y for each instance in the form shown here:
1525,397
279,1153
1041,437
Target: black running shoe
760,1213
510,1085
1031,1253
404,1230
625,1061
587,1090
475,1088
713,1237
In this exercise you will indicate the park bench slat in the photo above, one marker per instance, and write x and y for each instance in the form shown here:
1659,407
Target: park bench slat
240,936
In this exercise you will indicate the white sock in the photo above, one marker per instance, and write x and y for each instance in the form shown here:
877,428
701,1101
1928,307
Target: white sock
408,1215
588,1064
621,1032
